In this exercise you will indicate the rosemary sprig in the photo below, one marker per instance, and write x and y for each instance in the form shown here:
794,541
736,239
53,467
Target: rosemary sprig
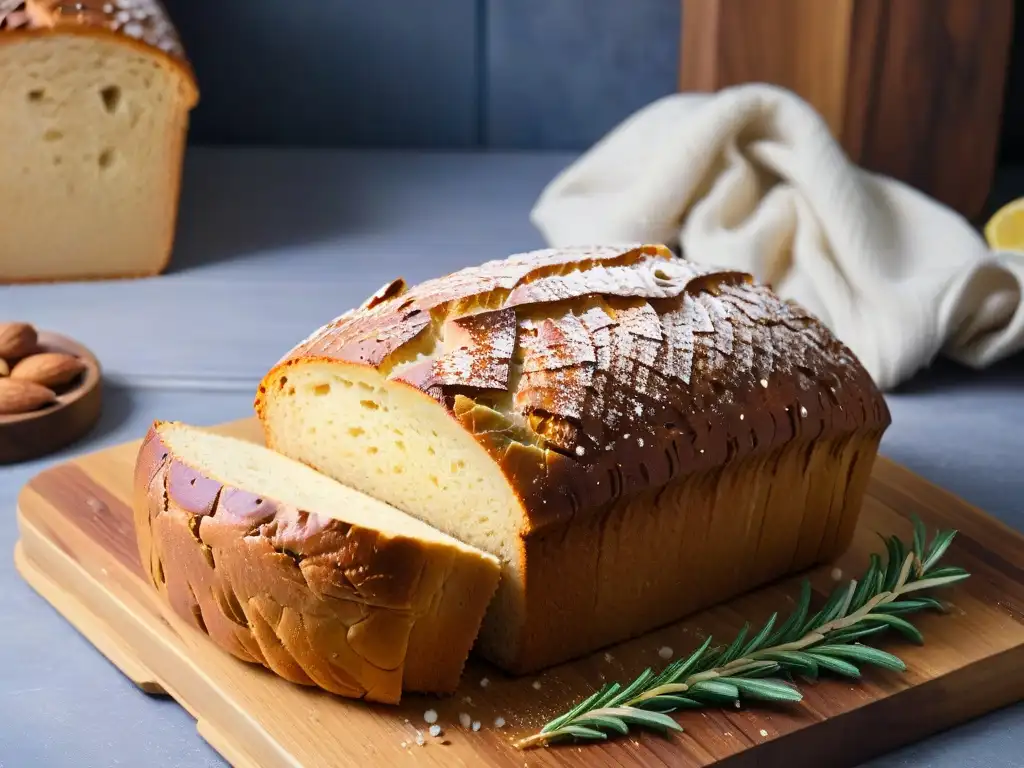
803,645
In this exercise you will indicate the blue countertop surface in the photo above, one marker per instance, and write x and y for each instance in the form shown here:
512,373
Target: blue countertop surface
271,244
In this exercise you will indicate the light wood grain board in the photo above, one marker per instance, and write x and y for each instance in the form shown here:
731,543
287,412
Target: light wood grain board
77,549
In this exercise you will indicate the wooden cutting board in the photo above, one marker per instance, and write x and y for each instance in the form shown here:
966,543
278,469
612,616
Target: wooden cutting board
77,549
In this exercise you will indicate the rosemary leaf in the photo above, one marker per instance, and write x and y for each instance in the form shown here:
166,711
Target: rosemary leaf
766,690
849,635
733,651
581,732
758,640
897,555
795,661
936,581
898,623
909,606
633,688
680,668
581,707
867,585
790,630
864,653
828,611
941,573
596,720
920,536
668,702
642,717
832,664
715,689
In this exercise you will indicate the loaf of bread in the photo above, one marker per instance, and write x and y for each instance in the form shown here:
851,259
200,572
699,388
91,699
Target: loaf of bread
634,436
95,98
284,567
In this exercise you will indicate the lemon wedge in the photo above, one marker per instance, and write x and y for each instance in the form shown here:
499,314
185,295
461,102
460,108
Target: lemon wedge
1005,230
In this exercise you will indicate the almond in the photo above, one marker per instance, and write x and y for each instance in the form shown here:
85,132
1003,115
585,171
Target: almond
51,369
5,369
17,340
18,396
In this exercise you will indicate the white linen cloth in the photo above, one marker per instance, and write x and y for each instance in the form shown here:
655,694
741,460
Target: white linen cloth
750,178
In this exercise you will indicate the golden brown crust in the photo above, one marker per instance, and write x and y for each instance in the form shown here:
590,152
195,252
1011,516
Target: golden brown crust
592,375
141,23
317,600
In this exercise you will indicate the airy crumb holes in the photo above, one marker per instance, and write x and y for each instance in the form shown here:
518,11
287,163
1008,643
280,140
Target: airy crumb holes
111,97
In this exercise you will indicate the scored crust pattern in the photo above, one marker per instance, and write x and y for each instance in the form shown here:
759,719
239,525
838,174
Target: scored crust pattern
593,373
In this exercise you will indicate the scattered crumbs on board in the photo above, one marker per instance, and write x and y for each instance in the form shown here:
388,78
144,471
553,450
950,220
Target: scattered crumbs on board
727,733
609,658
484,682
499,722
468,700
536,685
764,733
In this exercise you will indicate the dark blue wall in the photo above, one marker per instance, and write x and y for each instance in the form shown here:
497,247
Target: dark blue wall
447,74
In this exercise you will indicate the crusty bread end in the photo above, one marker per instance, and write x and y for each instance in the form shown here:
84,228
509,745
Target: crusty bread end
284,567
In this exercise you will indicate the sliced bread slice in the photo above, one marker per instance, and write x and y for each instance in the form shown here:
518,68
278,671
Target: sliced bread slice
282,566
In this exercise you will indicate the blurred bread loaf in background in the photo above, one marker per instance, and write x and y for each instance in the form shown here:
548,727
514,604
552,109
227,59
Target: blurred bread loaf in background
94,106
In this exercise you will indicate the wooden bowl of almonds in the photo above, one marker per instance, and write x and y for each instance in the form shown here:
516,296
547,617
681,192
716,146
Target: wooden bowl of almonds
50,391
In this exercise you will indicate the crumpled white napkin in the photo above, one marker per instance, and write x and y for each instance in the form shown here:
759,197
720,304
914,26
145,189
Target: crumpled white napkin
750,178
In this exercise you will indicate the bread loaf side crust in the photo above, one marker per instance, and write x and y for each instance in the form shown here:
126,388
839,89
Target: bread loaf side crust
143,24
594,374
317,600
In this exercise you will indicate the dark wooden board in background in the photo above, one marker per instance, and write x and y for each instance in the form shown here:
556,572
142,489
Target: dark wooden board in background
77,549
912,89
